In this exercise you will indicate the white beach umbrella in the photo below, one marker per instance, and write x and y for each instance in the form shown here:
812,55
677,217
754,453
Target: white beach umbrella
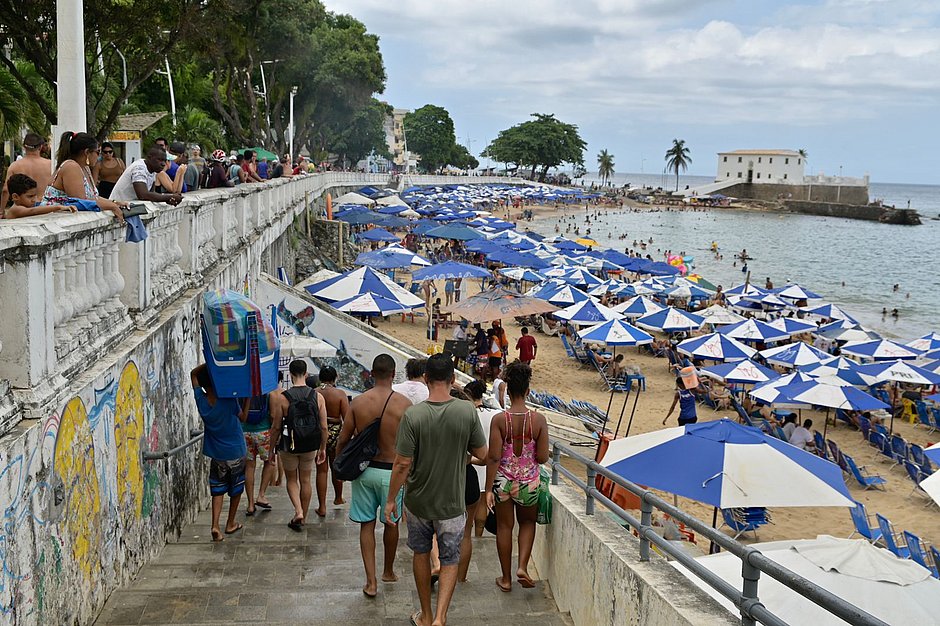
879,350
637,306
794,355
299,346
717,315
792,325
930,341
894,590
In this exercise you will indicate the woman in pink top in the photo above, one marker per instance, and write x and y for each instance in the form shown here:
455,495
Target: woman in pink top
518,445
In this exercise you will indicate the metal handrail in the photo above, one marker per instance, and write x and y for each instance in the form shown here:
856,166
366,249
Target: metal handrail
753,562
195,436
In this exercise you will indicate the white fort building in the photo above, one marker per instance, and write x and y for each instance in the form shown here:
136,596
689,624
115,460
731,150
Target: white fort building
761,166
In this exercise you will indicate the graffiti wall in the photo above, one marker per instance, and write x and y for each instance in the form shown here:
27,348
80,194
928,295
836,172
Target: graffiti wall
81,510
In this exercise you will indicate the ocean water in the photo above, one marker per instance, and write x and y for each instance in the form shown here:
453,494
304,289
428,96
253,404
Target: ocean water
852,263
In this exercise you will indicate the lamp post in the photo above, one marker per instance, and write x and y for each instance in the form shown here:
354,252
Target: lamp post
70,66
290,138
264,86
169,78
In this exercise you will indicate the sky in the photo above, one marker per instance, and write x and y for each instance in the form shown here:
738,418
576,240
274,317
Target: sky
855,83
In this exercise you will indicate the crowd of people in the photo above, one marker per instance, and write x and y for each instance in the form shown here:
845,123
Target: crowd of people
90,175
424,452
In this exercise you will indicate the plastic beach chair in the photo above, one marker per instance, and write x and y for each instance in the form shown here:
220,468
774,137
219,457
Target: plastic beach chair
923,417
837,457
920,459
820,444
568,348
863,525
936,560
890,538
864,479
899,450
745,519
917,553
916,476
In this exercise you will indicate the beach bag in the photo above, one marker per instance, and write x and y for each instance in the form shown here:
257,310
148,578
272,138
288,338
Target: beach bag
689,377
544,515
257,410
300,430
355,457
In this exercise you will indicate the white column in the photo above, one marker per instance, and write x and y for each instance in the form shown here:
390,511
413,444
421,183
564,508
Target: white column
70,65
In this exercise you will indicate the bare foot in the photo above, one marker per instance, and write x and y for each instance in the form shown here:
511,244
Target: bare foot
524,580
321,512
369,591
505,586
217,535
234,529
389,578
418,620
339,501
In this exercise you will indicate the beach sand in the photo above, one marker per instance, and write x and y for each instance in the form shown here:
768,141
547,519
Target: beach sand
555,372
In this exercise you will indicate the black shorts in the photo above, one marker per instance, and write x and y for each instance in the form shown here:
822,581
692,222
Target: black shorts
471,492
227,477
495,361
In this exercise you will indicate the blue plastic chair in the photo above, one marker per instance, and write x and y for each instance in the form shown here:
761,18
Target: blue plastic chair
746,519
917,553
864,479
935,414
936,560
916,476
899,450
923,416
568,349
921,459
889,537
639,378
863,525
820,445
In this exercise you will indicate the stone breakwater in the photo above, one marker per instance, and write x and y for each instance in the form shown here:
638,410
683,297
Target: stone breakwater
869,212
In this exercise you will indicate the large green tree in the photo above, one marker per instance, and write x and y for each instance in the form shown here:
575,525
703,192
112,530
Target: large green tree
462,159
677,158
429,131
541,144
605,166
364,135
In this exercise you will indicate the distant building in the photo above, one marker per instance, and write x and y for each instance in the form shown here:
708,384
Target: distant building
761,166
402,159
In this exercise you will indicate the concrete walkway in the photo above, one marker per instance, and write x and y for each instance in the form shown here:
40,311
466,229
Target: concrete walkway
269,574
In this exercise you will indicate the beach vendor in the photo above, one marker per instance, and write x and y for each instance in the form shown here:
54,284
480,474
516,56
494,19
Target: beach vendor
686,401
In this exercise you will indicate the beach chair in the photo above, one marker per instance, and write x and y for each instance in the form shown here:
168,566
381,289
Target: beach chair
674,361
780,434
568,349
920,459
863,525
610,384
866,427
884,447
747,519
935,416
916,476
881,394
864,479
900,450
936,560
820,444
836,456
891,538
923,416
918,555
742,414
881,428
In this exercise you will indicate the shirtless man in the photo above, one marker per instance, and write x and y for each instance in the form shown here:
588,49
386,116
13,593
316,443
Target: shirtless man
32,164
337,404
370,490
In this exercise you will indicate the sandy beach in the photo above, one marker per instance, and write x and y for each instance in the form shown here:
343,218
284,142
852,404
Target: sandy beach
555,372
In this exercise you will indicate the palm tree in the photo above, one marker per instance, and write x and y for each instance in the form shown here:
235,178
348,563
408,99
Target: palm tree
677,158
605,166
802,152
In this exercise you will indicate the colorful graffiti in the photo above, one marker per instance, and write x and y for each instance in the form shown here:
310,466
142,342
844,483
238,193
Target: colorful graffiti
128,433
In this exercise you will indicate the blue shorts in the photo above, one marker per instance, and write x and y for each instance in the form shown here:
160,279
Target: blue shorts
369,495
227,477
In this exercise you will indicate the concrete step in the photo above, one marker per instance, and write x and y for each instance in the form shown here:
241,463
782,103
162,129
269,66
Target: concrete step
267,573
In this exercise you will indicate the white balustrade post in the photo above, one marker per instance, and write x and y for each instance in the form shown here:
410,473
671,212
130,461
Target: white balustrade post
28,311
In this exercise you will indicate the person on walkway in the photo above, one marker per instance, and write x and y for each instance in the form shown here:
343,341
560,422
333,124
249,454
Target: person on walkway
299,444
686,401
495,359
108,170
33,164
337,405
73,178
218,177
257,428
371,490
527,347
518,445
502,338
434,439
224,444
414,388
475,492
25,195
137,181
448,291
499,387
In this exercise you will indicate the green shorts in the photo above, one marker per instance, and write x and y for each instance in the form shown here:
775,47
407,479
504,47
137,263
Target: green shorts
369,495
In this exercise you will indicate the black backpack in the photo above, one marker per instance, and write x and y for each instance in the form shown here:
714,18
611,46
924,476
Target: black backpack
300,430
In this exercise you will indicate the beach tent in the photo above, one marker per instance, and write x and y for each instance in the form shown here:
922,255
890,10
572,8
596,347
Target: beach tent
794,355
615,333
714,462
360,281
353,198
897,591
715,347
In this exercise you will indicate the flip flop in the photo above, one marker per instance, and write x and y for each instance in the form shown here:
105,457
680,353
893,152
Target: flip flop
525,581
295,525
435,578
264,505
414,618
371,596
503,589
249,512
237,528
217,536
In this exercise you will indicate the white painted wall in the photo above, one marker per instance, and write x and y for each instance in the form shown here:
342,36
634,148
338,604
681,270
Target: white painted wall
765,168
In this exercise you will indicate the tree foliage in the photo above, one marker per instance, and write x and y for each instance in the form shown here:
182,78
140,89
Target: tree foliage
541,143
605,166
677,158
429,131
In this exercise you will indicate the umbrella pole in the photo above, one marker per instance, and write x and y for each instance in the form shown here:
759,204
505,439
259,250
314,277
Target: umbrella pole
826,423
622,410
610,403
894,408
636,399
713,548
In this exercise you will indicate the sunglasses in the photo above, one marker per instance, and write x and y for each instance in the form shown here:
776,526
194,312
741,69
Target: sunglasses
108,152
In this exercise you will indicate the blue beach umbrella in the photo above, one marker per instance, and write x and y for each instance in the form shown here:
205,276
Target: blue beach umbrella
794,355
687,292
359,218
795,292
371,304
753,330
392,257
897,371
580,277
393,221
831,396
615,333
928,342
836,367
716,347
360,281
608,285
880,350
671,320
792,326
450,269
769,392
566,296
745,372
586,313
829,311
745,289
931,366
377,234
461,233
567,244
728,465
521,273
661,268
